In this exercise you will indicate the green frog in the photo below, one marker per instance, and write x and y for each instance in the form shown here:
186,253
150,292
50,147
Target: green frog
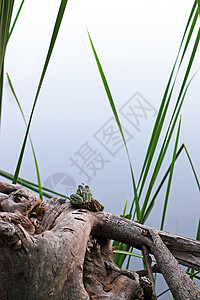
84,199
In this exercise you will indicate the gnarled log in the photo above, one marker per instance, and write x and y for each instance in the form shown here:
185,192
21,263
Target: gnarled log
59,252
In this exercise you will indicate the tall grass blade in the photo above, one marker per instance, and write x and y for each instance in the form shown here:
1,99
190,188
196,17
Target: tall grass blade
107,89
192,166
16,18
170,128
1,90
32,147
187,71
170,176
192,272
129,258
155,134
189,35
118,257
125,207
198,2
158,127
5,19
167,290
116,243
154,144
50,50
6,8
162,114
198,232
152,202
155,137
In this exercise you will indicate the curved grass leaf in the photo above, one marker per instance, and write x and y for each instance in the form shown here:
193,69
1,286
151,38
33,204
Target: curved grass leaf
33,150
26,183
131,254
107,89
192,166
50,50
127,253
33,186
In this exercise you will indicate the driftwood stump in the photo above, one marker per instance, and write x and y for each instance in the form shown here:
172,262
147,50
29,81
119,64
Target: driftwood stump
54,251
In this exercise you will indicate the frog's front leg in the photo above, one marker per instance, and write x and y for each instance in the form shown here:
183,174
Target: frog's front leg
76,199
87,195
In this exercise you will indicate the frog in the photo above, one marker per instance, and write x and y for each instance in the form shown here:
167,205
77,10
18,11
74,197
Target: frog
84,199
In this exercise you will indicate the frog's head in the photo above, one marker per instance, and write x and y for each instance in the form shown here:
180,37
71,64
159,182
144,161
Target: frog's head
79,189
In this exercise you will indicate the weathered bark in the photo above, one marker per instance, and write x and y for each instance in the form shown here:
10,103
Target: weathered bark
185,250
69,256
